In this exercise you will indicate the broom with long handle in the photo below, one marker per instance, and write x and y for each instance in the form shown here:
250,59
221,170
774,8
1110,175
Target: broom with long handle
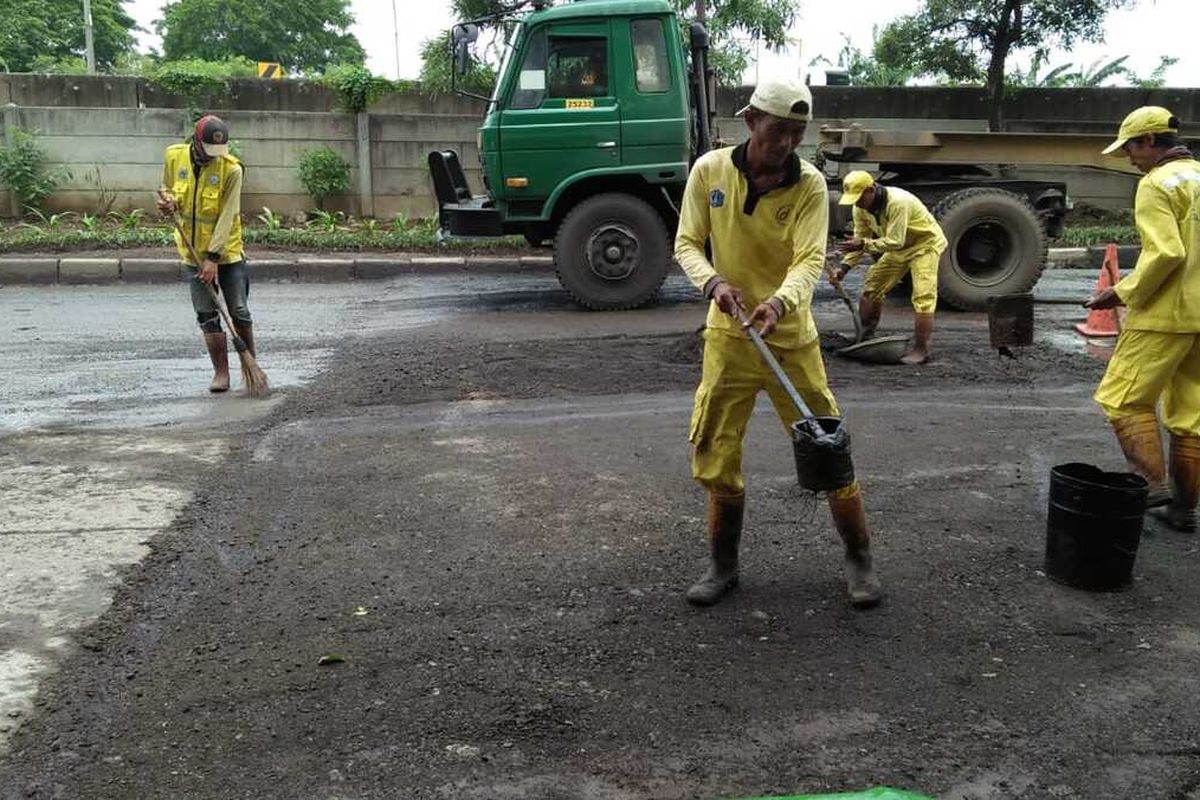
253,378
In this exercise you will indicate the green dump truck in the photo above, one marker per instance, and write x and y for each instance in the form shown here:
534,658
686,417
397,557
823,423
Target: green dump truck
598,111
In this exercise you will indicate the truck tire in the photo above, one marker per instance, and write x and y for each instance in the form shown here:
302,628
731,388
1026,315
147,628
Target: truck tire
612,252
995,245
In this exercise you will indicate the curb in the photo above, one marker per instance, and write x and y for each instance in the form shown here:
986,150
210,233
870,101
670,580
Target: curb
1091,257
308,268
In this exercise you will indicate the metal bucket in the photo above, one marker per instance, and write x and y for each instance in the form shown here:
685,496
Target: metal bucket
823,464
1010,320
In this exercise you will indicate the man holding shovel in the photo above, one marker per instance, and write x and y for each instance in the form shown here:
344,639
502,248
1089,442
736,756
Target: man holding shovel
895,227
1158,351
202,185
765,214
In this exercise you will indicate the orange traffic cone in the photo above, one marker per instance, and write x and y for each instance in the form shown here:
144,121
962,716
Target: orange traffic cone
1108,321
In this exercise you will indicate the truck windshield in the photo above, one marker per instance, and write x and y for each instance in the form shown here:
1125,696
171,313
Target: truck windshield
510,47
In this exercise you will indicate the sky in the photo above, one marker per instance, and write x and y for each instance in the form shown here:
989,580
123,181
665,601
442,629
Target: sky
1151,29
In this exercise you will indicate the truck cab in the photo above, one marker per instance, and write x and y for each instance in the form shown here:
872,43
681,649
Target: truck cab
586,142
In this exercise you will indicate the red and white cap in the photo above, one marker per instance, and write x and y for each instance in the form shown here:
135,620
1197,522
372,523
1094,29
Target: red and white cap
213,135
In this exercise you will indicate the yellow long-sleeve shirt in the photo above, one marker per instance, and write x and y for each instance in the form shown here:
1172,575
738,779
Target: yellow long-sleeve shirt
903,227
767,245
1163,291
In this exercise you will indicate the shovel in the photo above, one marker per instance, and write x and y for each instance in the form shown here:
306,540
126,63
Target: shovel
821,445
841,292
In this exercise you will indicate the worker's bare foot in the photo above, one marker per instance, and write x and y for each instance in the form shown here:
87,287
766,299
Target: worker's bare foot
220,382
918,355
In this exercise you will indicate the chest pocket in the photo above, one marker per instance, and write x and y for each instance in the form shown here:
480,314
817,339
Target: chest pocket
210,201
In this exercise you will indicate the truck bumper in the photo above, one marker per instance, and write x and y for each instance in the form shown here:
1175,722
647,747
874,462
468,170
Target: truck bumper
475,217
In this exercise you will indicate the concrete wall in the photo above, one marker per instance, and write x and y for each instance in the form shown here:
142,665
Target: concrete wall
110,133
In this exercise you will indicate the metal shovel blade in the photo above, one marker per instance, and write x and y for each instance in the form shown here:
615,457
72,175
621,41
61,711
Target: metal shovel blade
880,350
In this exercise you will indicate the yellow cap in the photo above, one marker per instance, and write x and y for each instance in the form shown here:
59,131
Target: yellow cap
853,185
1147,119
782,97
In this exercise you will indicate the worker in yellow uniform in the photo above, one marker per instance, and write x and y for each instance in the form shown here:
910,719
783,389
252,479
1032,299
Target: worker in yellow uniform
1156,364
764,212
202,182
895,227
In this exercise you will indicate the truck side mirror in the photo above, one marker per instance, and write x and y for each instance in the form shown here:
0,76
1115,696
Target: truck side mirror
462,37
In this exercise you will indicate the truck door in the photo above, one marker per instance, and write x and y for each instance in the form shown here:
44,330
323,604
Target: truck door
654,91
561,116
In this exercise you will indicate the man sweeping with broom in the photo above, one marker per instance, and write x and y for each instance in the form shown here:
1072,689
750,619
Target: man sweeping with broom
765,213
202,192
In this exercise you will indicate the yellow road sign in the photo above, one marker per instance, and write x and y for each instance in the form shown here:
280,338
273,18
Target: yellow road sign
270,69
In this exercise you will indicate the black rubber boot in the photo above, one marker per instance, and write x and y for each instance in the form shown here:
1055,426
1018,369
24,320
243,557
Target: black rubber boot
850,519
725,514
218,352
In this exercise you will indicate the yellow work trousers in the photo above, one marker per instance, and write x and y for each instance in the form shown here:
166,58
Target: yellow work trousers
734,373
890,269
1149,366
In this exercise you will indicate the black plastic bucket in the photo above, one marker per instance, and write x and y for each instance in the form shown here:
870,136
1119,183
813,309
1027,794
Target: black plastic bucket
822,464
1010,320
1094,526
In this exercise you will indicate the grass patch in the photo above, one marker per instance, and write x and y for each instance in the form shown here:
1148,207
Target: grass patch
351,236
1088,235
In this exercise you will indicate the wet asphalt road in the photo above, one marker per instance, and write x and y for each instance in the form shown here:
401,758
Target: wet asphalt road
104,425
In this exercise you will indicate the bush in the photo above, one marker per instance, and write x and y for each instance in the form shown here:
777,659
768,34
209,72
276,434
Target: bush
195,79
324,173
356,87
25,171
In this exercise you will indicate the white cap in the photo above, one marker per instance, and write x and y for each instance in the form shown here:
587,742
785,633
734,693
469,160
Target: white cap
782,97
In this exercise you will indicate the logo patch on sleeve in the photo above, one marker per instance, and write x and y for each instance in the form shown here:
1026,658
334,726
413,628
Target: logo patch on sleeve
716,198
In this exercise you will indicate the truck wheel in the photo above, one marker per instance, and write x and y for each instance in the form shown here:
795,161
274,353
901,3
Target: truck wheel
612,252
996,245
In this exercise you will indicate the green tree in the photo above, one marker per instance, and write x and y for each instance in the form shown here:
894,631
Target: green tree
304,36
864,68
437,62
37,33
730,23
970,40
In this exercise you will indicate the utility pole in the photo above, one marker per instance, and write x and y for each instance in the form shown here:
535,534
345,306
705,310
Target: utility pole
700,11
89,43
396,37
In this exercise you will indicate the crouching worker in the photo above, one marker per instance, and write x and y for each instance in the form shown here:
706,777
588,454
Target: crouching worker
764,212
203,185
1157,357
895,227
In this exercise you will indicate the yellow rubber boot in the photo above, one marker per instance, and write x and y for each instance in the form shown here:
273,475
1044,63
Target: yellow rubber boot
1142,445
1185,483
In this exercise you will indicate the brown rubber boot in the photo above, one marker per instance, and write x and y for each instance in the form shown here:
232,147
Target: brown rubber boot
725,513
850,519
869,312
245,331
1185,481
218,351
1142,445
922,335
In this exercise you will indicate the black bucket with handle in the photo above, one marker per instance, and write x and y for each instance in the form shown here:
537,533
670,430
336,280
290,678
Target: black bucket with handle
821,445
823,461
1094,526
